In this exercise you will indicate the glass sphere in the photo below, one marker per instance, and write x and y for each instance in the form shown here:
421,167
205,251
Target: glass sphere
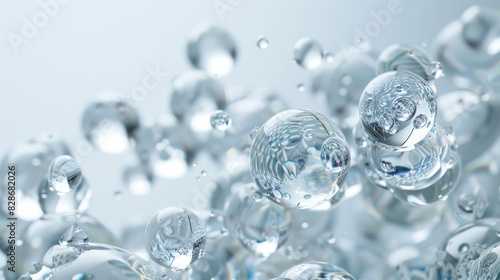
410,58
175,238
291,163
398,109
487,266
464,245
64,189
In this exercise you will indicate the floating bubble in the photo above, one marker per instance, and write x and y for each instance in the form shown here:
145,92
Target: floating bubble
175,238
335,155
262,43
260,225
315,270
398,109
212,49
410,58
287,166
308,53
108,122
65,190
64,174
220,120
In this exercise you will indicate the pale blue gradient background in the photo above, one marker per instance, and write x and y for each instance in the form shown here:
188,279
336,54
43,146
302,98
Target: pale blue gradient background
91,46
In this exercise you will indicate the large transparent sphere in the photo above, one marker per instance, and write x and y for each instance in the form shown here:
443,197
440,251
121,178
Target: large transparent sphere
464,245
398,109
299,159
175,238
487,266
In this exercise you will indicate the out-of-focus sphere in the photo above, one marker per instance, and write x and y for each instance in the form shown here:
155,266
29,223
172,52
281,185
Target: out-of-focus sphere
464,245
285,159
220,120
487,266
398,109
109,121
342,82
470,46
175,238
308,53
316,270
31,160
212,49
473,119
410,58
260,225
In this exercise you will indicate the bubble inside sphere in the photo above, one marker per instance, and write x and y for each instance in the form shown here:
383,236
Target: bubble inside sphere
398,109
290,163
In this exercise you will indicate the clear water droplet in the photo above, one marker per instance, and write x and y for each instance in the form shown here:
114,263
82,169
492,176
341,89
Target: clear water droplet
175,238
403,108
198,178
308,53
262,43
420,121
204,173
436,69
386,122
410,51
335,155
309,134
220,120
64,174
